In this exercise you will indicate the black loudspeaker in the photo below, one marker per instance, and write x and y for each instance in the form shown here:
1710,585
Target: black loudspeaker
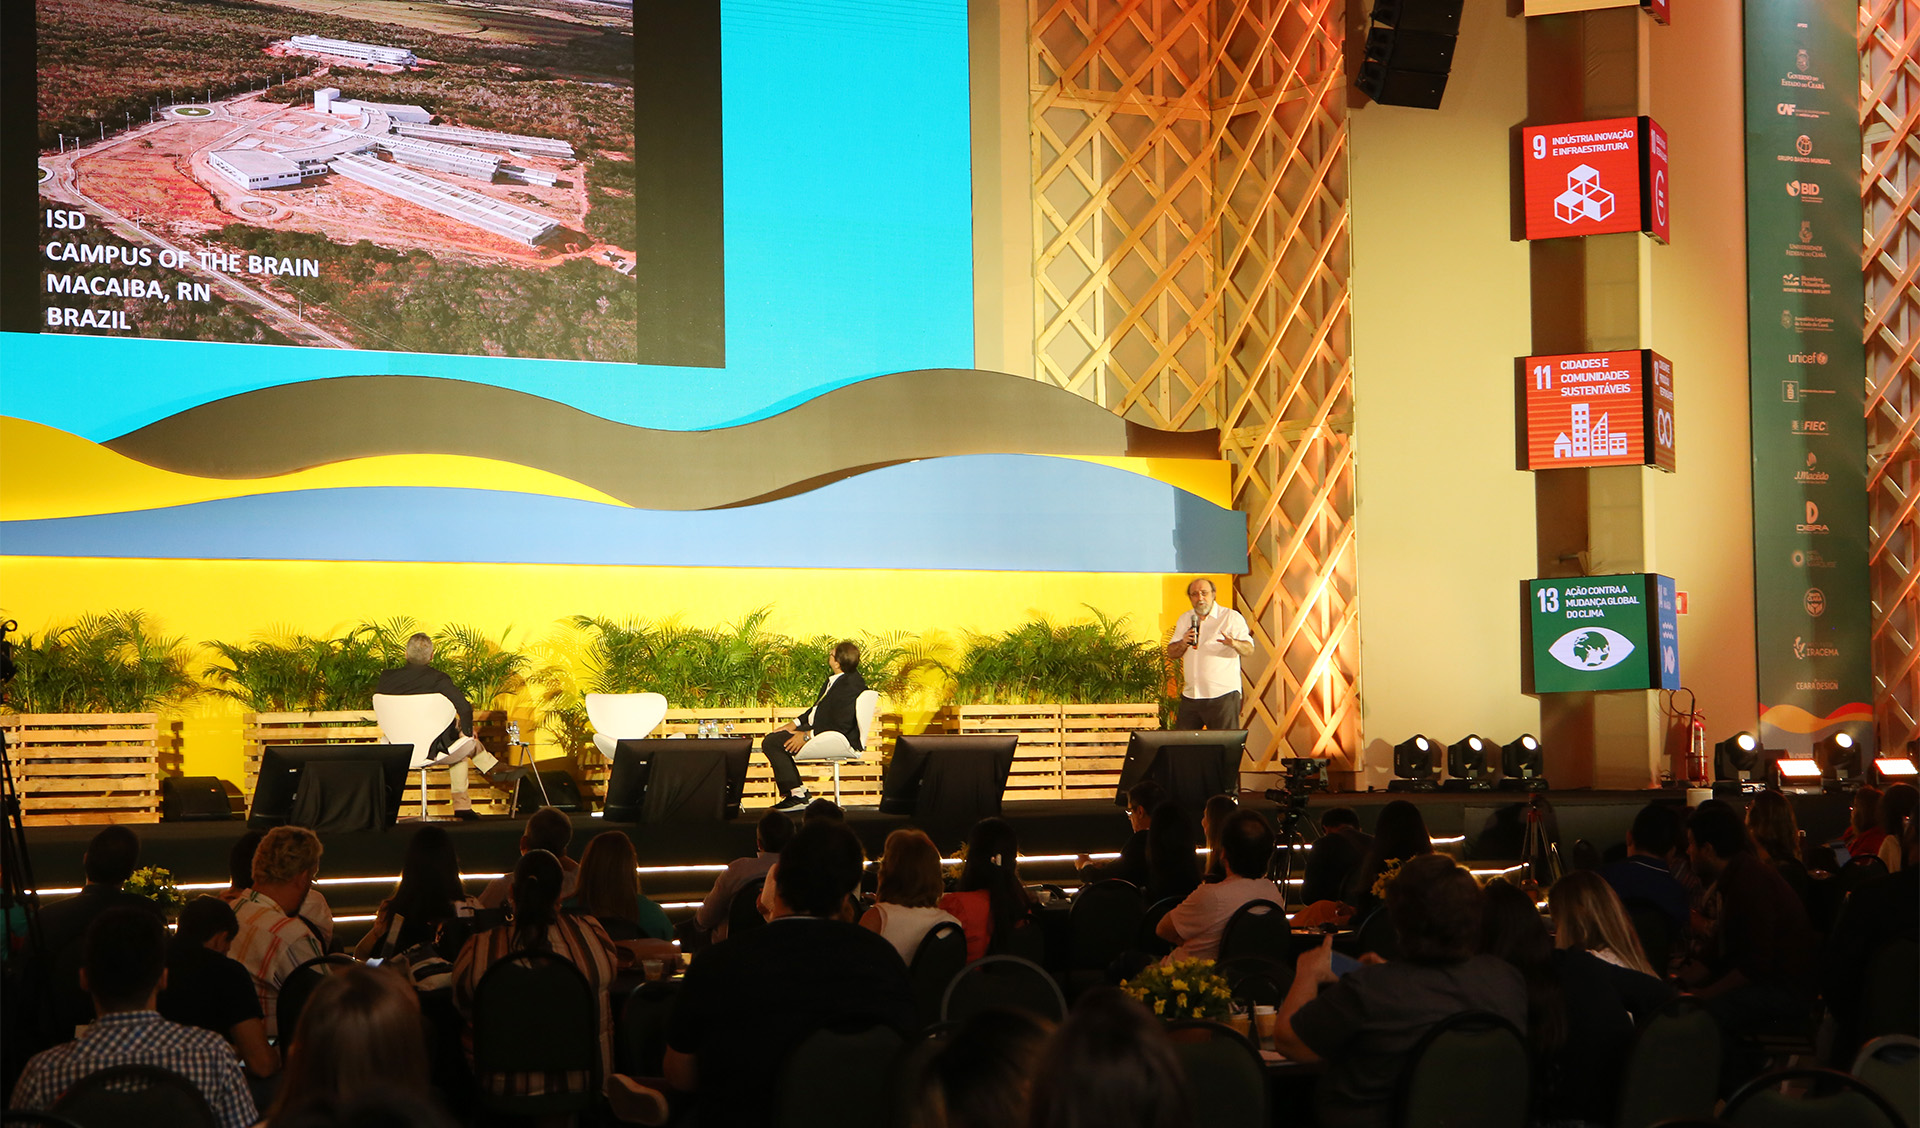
1410,51
627,781
194,799
562,792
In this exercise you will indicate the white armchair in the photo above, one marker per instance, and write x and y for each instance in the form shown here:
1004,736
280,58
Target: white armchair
417,719
833,747
623,716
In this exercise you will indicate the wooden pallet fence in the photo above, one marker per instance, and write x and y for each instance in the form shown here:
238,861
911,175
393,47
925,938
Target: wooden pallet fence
1065,751
357,726
859,780
1036,759
85,768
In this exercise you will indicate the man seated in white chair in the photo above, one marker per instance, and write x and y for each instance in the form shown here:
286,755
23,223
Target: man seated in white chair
832,719
456,746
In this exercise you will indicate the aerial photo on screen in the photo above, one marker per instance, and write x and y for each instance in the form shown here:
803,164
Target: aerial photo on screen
412,175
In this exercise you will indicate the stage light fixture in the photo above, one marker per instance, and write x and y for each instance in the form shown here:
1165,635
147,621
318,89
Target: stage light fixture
1798,774
1736,759
1416,761
1839,759
1467,764
1894,769
1523,765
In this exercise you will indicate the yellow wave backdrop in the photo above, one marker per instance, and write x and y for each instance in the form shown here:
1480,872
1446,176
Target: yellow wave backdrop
46,472
1794,719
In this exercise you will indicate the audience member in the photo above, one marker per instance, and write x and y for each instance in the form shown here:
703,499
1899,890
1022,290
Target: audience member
360,1035
1173,861
981,1076
1341,848
1131,865
538,923
908,904
548,829
1645,874
1195,924
771,836
1863,834
314,909
990,900
1898,806
380,1107
1213,816
745,1005
430,892
1588,917
109,861
1110,1065
205,988
822,810
609,889
123,969
1366,1022
273,938
1776,835
1511,930
1400,834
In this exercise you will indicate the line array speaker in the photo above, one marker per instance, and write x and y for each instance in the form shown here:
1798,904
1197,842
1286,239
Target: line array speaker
1410,51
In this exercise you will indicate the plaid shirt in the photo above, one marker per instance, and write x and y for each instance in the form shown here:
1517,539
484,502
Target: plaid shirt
269,945
142,1038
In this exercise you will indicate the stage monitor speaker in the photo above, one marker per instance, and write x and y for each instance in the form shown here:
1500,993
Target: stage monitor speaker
667,780
194,799
1409,51
562,793
627,780
1193,765
947,783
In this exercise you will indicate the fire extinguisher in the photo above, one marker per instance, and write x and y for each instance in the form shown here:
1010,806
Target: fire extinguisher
1697,753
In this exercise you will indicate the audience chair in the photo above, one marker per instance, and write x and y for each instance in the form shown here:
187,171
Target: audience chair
1101,925
1890,1065
744,911
840,1079
1655,929
135,1094
533,1012
623,716
37,1119
911,1071
1446,1081
640,1036
1147,936
1809,1098
1225,1074
1673,1069
299,984
1257,928
1377,935
1890,992
1862,871
1257,981
942,954
417,719
833,748
1003,981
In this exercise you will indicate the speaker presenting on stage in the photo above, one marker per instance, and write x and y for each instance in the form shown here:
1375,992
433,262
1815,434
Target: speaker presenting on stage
1209,640
456,746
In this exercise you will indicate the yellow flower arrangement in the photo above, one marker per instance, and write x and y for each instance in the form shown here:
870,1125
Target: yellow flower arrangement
1387,873
1182,989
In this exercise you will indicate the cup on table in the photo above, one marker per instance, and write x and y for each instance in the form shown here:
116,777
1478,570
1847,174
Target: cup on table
1263,1020
1241,1021
653,969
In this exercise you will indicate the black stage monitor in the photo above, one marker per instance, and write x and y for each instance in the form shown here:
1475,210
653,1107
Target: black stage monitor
644,787
948,781
1193,765
282,767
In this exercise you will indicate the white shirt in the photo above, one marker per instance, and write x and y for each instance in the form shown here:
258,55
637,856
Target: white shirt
805,720
1211,669
1203,916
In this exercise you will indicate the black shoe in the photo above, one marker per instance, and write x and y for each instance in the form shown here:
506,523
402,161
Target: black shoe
466,814
792,803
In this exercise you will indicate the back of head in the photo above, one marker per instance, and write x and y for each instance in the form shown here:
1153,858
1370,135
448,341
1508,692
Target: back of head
823,810
1898,803
1436,908
1510,927
979,1079
359,1034
1771,823
240,859
1865,815
819,868
1588,917
993,864
286,853
847,653
1656,829
124,954
429,875
1401,832
1715,824
537,882
112,856
1247,841
608,886
386,1107
1336,817
549,829
910,873
773,832
1110,1065
203,918
1147,795
419,650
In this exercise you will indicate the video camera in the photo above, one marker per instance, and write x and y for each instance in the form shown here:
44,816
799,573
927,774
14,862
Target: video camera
1301,776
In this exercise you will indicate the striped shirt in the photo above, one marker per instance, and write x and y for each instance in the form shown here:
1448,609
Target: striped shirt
270,944
582,940
142,1038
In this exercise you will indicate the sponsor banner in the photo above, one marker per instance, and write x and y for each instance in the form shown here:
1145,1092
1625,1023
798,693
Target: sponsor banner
1807,373
1596,409
1595,633
1595,178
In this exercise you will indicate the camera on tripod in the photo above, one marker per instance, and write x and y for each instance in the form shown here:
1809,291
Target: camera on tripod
1300,776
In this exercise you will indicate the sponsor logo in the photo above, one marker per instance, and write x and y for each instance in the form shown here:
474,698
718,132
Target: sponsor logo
1591,648
1803,145
1812,524
1804,189
1816,602
1785,109
1810,558
1806,231
1803,651
1786,319
1807,358
1809,426
1801,60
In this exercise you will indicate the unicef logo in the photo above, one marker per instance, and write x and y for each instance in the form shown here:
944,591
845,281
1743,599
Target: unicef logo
1591,648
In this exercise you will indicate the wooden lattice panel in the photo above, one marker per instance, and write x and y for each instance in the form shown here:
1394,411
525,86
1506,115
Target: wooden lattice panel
1191,271
1890,181
78,768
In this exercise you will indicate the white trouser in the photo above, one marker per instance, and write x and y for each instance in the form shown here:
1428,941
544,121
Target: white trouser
455,761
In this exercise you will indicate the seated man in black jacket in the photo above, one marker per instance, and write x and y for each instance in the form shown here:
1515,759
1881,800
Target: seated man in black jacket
1142,799
455,746
832,717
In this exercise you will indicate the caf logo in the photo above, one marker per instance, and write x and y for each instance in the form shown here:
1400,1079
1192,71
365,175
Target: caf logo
1806,231
1800,59
1803,144
1816,602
